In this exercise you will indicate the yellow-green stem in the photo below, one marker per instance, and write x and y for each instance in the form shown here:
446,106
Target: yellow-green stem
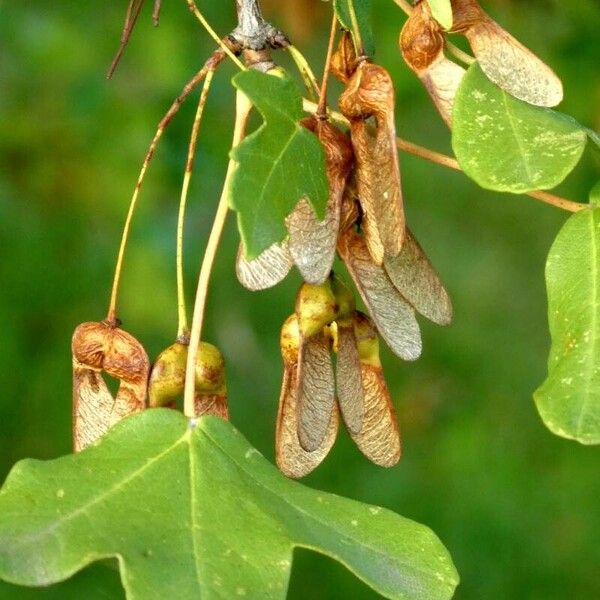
211,63
358,42
304,69
196,11
243,107
182,327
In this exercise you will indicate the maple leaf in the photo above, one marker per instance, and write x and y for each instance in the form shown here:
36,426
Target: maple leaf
191,510
278,165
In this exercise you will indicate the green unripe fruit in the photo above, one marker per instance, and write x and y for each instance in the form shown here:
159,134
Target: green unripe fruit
316,307
167,379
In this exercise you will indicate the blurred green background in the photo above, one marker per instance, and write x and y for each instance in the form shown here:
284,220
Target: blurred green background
517,507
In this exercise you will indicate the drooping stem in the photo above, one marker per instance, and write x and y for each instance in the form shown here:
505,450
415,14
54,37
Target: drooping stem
451,163
322,106
182,327
243,107
211,64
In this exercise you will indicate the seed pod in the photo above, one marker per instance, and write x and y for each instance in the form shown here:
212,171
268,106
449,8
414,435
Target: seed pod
370,93
415,278
344,298
291,458
167,379
312,242
316,307
503,59
379,436
422,46
267,269
394,316
211,392
98,347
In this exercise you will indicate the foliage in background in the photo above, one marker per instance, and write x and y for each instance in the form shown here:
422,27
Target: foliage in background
511,494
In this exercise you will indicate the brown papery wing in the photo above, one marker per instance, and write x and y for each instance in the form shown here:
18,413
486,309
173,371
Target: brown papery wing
513,67
316,391
506,62
214,404
393,315
422,46
415,278
441,80
92,406
312,242
266,270
291,457
379,438
370,93
103,346
348,377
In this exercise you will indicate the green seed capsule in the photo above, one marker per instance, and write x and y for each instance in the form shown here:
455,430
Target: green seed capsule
316,307
167,379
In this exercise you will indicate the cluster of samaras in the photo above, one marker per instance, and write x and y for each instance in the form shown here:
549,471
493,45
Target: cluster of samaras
364,223
503,59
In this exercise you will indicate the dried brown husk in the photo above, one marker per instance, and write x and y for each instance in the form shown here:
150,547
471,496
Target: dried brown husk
379,437
414,277
312,242
343,60
422,46
267,269
393,315
505,61
368,102
97,347
292,459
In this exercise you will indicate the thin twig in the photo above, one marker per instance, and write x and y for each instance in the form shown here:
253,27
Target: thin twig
210,64
322,106
451,163
243,107
196,11
182,327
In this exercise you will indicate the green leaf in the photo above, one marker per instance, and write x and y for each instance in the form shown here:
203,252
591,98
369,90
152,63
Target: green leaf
279,164
569,399
508,145
595,195
362,9
197,512
441,11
